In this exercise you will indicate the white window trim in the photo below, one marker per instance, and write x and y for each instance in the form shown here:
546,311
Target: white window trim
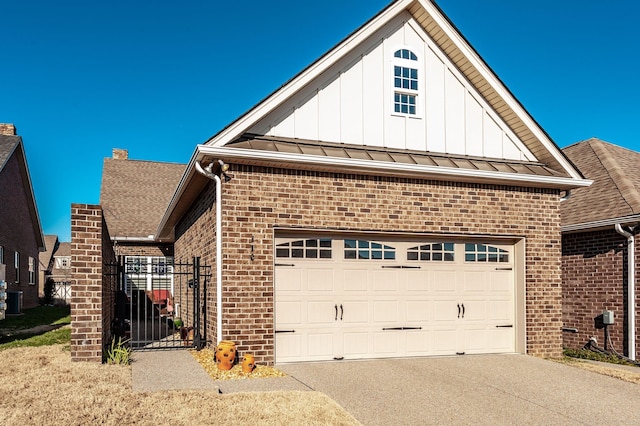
32,271
419,94
16,264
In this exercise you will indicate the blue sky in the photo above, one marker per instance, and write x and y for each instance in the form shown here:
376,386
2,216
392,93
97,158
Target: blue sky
79,78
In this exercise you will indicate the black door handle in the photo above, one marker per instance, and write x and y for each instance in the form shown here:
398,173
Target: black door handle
458,310
336,318
463,310
341,312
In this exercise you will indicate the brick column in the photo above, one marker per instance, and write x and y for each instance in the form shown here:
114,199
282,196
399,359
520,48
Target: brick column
87,334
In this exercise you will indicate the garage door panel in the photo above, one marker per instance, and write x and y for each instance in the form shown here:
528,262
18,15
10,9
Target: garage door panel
385,312
418,342
418,311
354,312
320,280
444,281
355,344
500,310
445,341
501,339
321,345
355,280
474,282
501,281
386,343
475,340
474,310
289,312
320,312
385,280
288,280
445,310
417,281
288,346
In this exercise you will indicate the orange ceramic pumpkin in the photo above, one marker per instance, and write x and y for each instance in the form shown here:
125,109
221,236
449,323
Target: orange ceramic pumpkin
248,363
225,354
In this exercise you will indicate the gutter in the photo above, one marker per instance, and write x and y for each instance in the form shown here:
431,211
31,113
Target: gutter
631,290
209,174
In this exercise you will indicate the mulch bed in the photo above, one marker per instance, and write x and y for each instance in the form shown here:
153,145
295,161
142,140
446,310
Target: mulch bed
206,358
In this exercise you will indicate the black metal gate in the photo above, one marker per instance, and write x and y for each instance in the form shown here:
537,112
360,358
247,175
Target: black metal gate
160,303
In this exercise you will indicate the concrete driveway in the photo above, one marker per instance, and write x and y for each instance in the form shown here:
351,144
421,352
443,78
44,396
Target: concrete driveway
482,389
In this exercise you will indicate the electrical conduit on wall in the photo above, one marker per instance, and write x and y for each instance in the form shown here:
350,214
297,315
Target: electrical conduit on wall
631,290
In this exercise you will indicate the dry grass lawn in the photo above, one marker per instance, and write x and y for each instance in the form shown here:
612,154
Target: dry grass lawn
41,386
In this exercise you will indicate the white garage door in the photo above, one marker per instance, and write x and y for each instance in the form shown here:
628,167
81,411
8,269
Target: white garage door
342,297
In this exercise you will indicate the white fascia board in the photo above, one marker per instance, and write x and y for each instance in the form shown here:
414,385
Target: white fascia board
601,224
313,71
500,89
391,169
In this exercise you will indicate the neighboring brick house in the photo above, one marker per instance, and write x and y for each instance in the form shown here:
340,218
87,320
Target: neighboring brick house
599,225
21,238
46,261
393,199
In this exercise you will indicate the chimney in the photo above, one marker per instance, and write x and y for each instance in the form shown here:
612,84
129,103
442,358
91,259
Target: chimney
120,154
7,129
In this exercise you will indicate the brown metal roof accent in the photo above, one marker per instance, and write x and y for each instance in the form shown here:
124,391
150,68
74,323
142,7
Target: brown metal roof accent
616,185
329,149
135,194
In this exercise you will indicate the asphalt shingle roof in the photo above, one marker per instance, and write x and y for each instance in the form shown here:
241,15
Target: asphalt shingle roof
8,144
615,191
135,194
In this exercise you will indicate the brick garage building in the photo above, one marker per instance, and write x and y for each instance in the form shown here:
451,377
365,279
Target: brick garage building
595,255
393,199
21,238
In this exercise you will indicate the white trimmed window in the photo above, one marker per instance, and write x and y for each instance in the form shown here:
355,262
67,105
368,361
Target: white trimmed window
406,83
32,270
16,264
63,262
2,255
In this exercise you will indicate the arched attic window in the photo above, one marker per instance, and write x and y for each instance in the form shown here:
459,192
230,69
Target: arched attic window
405,82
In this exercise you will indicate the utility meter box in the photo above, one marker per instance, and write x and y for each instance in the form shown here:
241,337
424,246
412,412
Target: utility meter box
607,317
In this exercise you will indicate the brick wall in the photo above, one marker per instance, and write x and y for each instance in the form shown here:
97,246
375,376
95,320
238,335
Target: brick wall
594,279
93,283
258,199
17,232
139,249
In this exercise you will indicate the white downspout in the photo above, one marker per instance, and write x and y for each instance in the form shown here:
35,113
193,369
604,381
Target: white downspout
631,290
207,172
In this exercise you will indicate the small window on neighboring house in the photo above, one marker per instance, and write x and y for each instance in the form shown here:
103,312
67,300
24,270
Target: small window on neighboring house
32,270
63,262
405,82
2,255
16,263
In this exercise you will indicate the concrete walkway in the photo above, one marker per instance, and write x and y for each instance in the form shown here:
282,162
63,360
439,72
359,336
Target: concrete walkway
481,389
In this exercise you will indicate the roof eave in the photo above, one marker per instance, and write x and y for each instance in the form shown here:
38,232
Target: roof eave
600,224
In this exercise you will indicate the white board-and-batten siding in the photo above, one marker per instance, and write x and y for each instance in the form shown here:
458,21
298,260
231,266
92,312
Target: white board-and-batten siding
352,102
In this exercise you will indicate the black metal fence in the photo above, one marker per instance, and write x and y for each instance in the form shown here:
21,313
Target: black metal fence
161,303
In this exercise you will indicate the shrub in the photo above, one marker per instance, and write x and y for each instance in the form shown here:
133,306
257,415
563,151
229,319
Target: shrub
118,353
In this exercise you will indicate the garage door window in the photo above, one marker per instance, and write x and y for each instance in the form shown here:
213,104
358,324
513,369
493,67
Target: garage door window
368,250
319,248
485,253
437,252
